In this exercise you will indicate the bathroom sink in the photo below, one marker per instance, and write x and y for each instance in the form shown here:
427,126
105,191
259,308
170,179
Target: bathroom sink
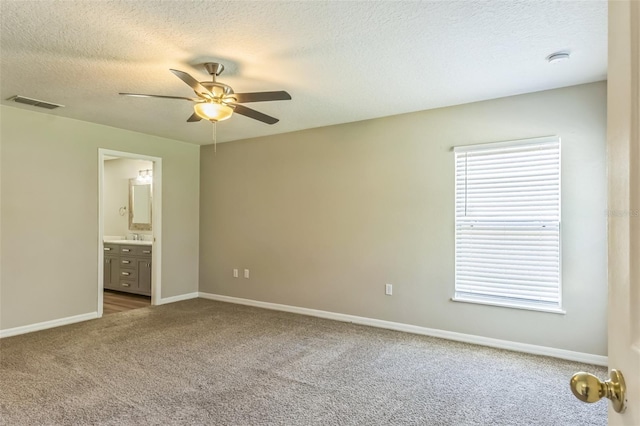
131,242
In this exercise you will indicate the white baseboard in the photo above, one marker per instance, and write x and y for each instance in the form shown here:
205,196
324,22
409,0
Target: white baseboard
450,335
178,298
47,324
79,318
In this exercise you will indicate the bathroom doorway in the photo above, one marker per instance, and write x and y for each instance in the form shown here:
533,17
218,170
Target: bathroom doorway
129,240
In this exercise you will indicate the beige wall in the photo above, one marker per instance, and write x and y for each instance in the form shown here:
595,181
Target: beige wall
325,217
49,213
117,173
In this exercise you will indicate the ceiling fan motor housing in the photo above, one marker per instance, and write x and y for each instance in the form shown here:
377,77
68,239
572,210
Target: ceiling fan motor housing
218,89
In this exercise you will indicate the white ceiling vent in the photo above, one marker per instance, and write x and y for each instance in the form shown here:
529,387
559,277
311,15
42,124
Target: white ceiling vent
34,102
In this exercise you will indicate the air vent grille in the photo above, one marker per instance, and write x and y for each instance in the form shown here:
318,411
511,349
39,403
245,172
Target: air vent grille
35,102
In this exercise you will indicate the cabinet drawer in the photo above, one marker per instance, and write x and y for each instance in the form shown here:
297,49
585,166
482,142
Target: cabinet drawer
128,275
111,248
127,249
135,250
144,250
128,285
128,262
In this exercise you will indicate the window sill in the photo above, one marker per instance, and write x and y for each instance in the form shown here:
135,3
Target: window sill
509,305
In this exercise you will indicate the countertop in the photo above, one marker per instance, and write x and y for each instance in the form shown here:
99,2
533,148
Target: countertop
130,242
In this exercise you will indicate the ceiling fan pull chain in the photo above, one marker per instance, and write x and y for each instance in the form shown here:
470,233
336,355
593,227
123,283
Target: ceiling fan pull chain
215,150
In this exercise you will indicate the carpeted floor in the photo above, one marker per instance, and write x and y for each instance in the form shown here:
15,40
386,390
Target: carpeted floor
211,363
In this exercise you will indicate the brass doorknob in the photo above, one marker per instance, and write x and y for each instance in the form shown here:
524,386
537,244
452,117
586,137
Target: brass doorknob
588,388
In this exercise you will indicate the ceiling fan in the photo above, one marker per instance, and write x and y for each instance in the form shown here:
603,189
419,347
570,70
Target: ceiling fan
216,101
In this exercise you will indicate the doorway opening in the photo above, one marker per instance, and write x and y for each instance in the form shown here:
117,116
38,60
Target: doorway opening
129,231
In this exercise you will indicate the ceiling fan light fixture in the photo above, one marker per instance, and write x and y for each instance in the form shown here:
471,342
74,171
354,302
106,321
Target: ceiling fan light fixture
213,111
217,101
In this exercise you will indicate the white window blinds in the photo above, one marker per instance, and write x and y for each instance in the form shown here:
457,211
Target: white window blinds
508,223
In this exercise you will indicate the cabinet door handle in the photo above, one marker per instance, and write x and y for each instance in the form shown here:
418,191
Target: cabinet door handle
126,262
146,251
126,250
125,284
126,274
107,249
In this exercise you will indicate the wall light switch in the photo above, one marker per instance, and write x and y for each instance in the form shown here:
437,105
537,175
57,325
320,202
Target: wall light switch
246,273
235,273
388,289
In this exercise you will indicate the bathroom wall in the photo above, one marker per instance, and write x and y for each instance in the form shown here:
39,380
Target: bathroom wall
117,173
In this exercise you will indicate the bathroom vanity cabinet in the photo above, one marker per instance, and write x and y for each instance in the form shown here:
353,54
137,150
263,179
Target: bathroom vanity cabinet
127,268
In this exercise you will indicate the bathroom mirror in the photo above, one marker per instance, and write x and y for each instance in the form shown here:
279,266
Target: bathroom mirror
139,205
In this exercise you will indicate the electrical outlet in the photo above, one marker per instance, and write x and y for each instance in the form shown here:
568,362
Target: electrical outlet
235,273
246,273
388,289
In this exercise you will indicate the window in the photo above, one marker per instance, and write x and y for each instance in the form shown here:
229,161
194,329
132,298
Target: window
507,235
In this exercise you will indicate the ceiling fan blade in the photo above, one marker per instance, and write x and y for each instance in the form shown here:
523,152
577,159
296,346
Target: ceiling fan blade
261,96
252,113
141,95
192,82
194,117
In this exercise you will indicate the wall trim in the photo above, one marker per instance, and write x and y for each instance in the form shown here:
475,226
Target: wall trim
408,328
178,298
47,324
372,322
79,318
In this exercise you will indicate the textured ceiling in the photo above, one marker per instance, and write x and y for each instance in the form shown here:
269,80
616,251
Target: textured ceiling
341,61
